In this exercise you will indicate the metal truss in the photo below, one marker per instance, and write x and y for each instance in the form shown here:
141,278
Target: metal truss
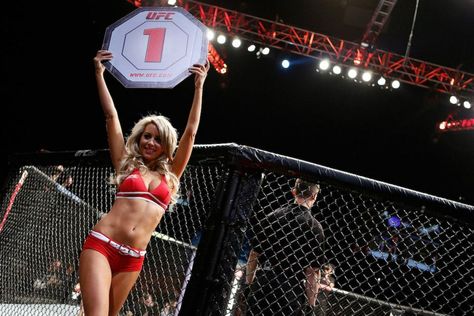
319,46
455,125
216,60
377,22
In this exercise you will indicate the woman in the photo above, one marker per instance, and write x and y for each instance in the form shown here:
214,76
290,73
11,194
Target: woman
148,172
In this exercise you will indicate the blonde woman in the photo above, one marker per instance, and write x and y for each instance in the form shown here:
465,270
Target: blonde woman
148,167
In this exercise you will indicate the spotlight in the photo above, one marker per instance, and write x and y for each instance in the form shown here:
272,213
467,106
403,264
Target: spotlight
251,48
171,2
336,69
395,84
221,39
367,76
453,100
352,73
285,63
394,221
210,35
466,104
324,64
381,81
266,51
236,42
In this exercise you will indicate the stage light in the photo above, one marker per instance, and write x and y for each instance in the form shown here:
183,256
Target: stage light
394,221
337,69
456,125
466,104
358,58
236,42
352,73
266,51
221,39
285,63
324,64
381,81
395,84
210,34
171,2
453,99
251,48
367,76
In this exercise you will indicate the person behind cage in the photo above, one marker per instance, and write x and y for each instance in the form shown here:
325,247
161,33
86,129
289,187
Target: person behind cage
282,270
52,279
168,309
147,175
61,175
326,284
148,306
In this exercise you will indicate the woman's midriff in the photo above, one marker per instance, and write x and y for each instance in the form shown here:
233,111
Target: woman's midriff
131,222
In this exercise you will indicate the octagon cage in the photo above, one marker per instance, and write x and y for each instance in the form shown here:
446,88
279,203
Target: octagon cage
391,250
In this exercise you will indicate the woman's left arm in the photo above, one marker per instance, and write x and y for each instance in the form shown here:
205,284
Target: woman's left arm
186,142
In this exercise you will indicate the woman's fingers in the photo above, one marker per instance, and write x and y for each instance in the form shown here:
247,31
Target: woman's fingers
104,54
199,69
196,70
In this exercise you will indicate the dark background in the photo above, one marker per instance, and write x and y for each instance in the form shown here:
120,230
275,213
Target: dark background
50,100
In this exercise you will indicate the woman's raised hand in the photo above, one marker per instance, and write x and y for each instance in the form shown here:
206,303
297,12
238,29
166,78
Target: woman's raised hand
99,58
200,72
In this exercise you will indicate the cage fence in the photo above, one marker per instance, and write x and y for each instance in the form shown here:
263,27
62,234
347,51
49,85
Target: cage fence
392,251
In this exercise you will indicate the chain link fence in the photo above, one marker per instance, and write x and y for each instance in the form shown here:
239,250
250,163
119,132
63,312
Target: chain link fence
382,249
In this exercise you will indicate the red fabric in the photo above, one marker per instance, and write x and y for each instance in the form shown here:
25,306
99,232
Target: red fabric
118,261
133,185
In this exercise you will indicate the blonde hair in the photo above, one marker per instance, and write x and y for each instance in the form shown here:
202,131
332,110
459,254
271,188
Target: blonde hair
133,159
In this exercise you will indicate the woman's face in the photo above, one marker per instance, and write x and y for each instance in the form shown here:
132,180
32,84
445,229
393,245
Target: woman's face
150,143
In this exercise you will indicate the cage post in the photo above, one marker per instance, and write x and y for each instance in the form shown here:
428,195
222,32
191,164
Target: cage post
210,283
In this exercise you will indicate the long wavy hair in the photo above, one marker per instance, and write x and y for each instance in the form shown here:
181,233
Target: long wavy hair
133,159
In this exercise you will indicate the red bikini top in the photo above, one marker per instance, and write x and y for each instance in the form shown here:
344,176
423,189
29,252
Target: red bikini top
133,187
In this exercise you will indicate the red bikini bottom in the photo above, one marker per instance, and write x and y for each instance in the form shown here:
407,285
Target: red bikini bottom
122,258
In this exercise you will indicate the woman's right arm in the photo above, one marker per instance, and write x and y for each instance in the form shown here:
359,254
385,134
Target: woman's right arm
114,130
